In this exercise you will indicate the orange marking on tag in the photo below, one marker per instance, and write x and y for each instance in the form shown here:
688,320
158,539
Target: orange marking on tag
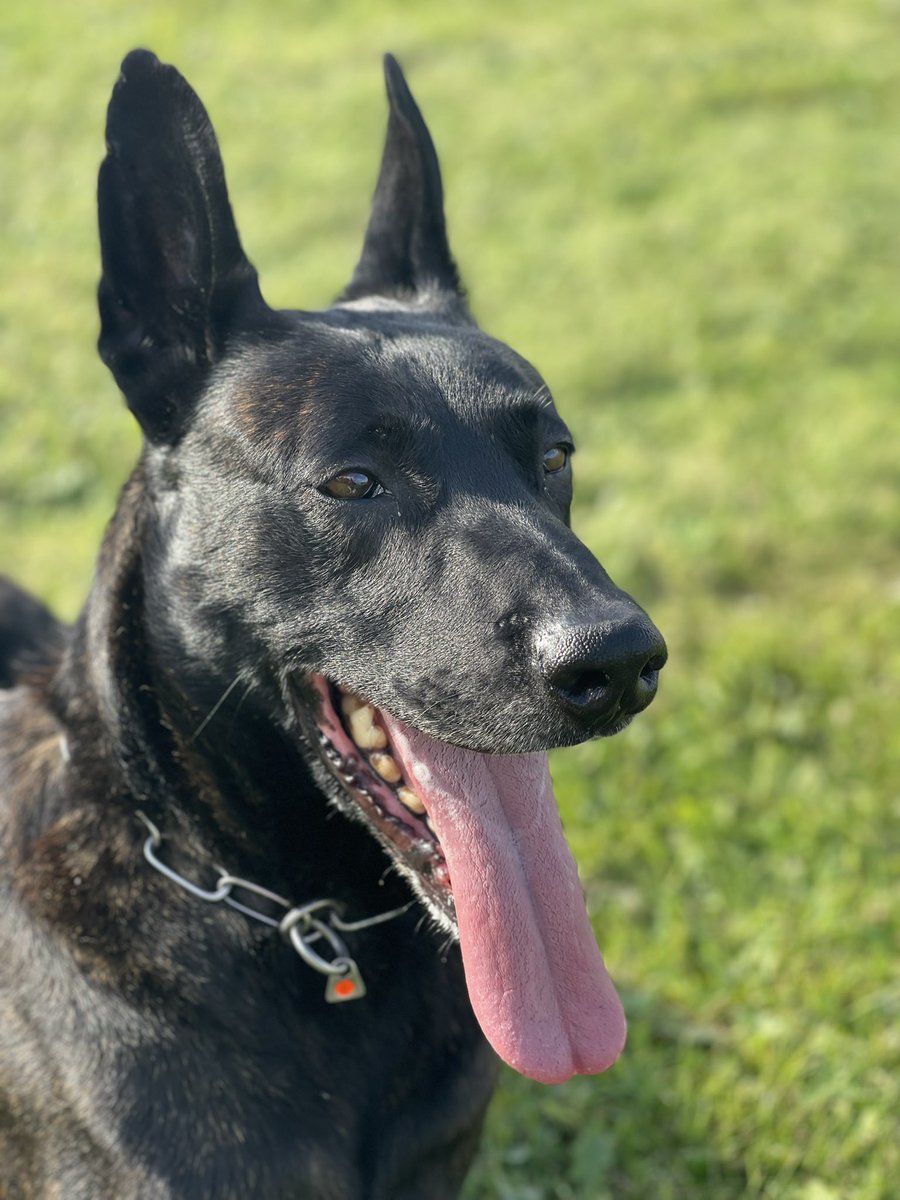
344,987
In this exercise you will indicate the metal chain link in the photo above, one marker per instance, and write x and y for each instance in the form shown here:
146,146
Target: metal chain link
302,925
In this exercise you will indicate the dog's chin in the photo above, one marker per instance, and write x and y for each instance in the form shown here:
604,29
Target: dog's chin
366,781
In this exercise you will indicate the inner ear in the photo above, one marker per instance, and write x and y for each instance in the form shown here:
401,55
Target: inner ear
405,252
176,284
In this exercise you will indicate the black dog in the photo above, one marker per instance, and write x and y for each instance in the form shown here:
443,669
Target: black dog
340,584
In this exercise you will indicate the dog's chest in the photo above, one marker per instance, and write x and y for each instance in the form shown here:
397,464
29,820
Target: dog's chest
331,1129
234,1078
281,1097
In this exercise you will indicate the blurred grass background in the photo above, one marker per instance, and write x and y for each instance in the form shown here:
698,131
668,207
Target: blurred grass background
686,214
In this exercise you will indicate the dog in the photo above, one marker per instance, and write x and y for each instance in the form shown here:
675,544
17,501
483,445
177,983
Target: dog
283,876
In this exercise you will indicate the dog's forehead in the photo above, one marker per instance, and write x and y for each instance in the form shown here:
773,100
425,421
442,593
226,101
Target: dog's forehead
468,368
422,370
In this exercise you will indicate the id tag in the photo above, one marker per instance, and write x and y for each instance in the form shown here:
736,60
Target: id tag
348,986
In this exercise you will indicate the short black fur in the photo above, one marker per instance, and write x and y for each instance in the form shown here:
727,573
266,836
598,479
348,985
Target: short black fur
153,1047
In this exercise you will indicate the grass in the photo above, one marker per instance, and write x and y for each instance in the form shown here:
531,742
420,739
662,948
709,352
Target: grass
686,214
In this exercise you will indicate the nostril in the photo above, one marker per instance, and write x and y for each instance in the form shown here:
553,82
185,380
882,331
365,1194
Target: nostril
589,681
579,684
652,668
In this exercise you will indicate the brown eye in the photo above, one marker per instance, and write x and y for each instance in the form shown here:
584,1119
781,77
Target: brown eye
352,485
555,459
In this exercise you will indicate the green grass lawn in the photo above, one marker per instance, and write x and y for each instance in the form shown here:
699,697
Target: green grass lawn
687,214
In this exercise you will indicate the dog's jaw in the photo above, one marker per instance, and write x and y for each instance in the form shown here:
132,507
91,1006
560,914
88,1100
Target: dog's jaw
366,782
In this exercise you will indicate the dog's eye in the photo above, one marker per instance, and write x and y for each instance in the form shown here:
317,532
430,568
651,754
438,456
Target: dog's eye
352,485
555,459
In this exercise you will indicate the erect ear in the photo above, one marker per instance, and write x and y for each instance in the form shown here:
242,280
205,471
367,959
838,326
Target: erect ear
405,250
175,281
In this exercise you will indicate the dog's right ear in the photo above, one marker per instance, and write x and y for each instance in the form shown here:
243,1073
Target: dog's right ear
176,282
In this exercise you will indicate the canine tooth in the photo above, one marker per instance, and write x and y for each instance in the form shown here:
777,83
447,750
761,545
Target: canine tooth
350,704
410,800
363,729
386,767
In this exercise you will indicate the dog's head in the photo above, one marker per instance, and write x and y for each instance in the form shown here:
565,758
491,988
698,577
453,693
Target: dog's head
365,511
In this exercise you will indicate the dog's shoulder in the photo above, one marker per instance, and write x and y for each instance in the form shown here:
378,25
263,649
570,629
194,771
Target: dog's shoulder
30,764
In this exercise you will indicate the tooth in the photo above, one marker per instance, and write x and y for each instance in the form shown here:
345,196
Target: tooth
350,704
430,826
386,767
363,729
410,800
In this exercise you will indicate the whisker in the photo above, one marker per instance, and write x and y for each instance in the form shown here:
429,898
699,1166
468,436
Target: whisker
215,708
247,690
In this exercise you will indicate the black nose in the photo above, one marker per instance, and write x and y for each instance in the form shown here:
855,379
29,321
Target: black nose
605,672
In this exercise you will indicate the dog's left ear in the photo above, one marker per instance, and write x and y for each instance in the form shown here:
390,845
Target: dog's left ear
176,283
405,254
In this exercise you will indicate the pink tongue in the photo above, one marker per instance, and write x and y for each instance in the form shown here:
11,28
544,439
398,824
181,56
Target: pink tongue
536,979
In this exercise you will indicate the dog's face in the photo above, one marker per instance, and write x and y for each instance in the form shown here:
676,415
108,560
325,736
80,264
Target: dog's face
365,511
391,506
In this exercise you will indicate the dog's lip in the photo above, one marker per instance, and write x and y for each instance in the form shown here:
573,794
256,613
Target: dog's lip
405,833
563,735
325,692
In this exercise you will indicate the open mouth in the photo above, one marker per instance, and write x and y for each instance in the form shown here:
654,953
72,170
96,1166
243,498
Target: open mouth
480,839
356,746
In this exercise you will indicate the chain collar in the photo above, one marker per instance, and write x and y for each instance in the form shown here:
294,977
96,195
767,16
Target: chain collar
304,925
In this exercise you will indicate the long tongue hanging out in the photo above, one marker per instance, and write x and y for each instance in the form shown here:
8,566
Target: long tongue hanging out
537,982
